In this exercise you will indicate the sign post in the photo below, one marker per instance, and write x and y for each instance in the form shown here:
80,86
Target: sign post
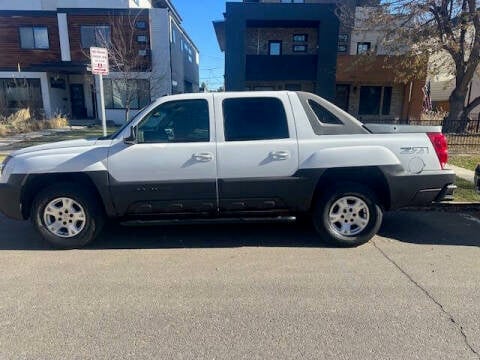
99,64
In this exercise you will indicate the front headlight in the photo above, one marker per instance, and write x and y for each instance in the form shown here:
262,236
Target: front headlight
4,164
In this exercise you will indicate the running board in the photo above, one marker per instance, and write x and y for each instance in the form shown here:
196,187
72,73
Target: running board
208,221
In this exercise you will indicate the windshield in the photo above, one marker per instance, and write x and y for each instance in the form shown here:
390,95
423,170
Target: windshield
124,126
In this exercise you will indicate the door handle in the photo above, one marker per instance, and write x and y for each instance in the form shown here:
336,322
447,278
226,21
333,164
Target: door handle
280,155
203,157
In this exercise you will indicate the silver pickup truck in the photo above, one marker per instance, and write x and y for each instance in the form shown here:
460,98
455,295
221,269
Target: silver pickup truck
229,155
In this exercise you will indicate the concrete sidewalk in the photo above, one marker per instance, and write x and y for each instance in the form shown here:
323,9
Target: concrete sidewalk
463,173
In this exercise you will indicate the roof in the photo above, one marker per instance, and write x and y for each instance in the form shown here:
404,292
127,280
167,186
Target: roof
219,27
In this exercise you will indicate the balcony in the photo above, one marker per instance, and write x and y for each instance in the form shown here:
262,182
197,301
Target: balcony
283,68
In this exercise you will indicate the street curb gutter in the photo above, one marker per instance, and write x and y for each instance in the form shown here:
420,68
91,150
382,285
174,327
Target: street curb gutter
447,207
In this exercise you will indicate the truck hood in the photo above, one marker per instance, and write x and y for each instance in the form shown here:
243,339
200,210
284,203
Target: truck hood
57,145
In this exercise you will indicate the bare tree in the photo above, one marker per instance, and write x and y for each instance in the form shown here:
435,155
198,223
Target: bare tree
447,31
129,58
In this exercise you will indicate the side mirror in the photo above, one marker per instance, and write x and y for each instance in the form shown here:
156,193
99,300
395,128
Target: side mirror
132,138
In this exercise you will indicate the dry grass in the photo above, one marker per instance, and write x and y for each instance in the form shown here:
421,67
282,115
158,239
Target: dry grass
22,122
3,130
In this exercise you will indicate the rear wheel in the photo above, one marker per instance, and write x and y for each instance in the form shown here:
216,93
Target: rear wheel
67,216
347,215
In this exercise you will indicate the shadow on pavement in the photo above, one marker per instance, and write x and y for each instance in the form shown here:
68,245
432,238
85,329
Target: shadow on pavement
434,228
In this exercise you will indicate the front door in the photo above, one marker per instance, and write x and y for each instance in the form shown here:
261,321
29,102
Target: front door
171,170
77,97
257,153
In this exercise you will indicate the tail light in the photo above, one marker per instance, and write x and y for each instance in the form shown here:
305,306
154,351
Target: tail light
440,144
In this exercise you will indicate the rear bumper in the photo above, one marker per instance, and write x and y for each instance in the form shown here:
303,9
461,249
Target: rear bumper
420,189
10,204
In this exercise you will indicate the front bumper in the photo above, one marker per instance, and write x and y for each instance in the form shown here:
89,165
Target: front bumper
10,204
420,189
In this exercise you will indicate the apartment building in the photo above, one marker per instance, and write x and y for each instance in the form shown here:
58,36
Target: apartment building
45,46
303,45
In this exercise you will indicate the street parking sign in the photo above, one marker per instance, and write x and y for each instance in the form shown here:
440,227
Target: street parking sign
99,59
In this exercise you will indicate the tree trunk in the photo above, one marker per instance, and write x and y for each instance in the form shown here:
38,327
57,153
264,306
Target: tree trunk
457,120
127,114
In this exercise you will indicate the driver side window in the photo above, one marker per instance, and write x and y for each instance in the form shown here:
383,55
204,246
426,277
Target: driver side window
176,122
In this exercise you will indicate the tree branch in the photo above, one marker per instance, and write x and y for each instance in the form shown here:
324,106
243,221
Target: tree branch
473,104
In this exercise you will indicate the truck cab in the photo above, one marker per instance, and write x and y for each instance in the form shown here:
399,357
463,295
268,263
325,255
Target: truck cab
228,155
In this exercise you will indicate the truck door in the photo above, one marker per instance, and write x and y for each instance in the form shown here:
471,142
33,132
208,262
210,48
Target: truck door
171,169
257,152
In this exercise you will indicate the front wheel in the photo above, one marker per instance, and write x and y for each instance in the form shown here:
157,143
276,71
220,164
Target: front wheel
67,216
348,215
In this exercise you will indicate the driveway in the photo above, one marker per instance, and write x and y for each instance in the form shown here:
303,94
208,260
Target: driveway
263,291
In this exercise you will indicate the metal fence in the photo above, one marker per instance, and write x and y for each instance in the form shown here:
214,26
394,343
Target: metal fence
463,135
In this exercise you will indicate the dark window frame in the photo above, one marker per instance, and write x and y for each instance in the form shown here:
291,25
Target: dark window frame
305,38
362,43
305,48
139,26
317,108
141,104
270,43
229,138
362,107
141,42
209,134
387,93
33,27
97,44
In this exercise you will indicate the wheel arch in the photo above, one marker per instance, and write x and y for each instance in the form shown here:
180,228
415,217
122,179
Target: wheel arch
37,182
371,177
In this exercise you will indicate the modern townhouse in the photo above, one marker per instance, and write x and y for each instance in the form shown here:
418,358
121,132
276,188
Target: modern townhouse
45,43
304,45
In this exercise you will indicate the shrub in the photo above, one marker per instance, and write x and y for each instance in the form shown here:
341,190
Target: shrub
58,121
22,122
3,130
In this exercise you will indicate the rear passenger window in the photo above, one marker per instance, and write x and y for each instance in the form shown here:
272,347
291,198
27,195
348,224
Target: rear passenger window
323,115
254,119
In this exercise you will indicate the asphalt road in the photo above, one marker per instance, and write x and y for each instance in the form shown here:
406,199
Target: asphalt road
244,292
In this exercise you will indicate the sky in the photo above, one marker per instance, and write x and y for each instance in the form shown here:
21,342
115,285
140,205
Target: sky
197,18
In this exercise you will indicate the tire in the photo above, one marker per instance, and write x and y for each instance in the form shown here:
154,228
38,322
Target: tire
352,204
62,228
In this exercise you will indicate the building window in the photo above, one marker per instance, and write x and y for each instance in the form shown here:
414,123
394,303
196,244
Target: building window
181,121
17,94
95,35
375,98
363,47
300,38
142,25
387,100
323,115
35,37
142,52
142,39
300,48
248,119
293,1
275,48
342,43
119,93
